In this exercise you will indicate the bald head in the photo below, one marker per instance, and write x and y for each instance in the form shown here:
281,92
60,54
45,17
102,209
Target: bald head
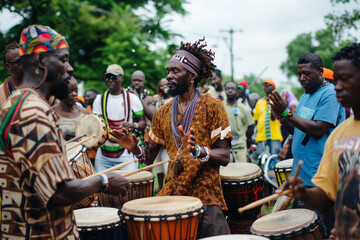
137,80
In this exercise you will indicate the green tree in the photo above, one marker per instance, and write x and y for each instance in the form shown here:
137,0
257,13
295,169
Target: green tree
102,32
322,43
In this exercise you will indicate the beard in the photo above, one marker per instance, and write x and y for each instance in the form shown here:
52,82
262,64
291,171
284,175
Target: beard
180,87
62,89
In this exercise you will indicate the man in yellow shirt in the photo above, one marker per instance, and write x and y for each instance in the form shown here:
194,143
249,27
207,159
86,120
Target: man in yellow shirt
267,126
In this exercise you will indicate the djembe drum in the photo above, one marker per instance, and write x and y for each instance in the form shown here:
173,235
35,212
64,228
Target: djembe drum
82,167
100,224
165,217
288,224
90,125
141,186
283,170
242,183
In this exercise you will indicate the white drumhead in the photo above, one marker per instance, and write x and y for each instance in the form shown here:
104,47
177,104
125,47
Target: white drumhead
285,164
140,176
239,171
162,206
74,153
237,237
96,216
91,125
281,203
283,222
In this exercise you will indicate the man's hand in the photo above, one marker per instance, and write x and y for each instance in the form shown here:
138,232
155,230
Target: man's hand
125,139
128,126
188,139
117,184
298,187
278,105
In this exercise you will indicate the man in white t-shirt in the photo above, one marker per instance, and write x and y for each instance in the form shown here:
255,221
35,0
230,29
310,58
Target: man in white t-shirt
119,108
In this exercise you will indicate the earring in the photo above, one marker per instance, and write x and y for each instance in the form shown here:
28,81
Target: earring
37,71
192,81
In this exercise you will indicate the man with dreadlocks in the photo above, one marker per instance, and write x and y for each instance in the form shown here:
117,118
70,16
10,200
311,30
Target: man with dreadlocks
338,177
195,131
11,60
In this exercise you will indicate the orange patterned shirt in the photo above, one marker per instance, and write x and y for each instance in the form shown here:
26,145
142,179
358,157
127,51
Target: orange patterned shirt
210,123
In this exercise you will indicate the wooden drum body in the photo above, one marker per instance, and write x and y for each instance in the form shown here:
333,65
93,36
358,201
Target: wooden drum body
82,167
141,186
99,223
242,183
297,224
283,170
164,217
91,125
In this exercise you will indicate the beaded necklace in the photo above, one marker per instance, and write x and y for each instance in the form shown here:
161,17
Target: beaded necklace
185,119
11,87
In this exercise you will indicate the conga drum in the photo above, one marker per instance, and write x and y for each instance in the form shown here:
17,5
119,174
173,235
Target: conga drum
141,186
82,167
283,170
242,183
90,125
236,237
99,223
164,217
288,224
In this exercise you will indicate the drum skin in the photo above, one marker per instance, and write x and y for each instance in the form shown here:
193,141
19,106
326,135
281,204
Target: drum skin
236,237
100,223
141,186
90,125
164,217
288,224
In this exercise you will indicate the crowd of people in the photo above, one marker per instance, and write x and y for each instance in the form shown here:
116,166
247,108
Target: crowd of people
198,127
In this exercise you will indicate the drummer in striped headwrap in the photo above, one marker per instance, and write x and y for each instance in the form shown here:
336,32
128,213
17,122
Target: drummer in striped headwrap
194,129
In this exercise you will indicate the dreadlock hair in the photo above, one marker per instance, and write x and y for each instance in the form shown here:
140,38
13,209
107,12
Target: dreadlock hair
205,56
351,52
314,60
10,46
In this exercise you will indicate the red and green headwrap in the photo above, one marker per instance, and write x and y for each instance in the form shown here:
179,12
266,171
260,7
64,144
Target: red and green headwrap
39,38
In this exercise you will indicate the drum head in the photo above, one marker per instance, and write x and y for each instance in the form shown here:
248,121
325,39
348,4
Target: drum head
143,176
163,206
237,237
285,164
281,203
96,216
91,125
283,222
239,171
74,153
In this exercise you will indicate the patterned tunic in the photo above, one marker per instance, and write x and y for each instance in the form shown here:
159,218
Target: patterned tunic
32,163
210,123
6,88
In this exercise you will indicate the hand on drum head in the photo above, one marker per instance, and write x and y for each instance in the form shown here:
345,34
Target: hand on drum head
298,187
117,184
124,138
188,139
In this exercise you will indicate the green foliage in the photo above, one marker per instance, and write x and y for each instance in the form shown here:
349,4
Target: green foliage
102,33
322,43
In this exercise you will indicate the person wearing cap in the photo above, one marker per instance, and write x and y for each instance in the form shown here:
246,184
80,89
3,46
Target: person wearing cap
11,61
119,108
38,185
195,131
217,91
317,115
241,123
268,134
328,75
242,93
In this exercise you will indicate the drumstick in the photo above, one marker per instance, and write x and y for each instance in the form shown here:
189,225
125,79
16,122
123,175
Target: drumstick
81,142
112,168
145,168
273,196
75,138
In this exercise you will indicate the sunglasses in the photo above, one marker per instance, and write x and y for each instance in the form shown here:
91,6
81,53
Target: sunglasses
17,61
240,87
268,84
112,77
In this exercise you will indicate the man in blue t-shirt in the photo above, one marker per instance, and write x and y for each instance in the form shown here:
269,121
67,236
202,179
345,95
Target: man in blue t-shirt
316,115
